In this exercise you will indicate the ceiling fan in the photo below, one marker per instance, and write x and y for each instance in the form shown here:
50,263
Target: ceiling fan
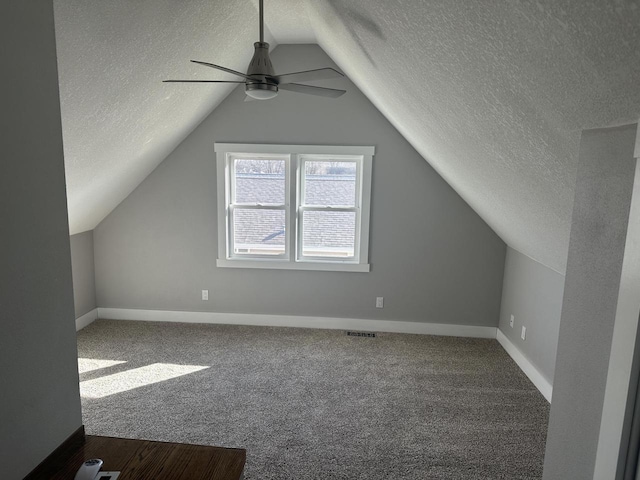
261,83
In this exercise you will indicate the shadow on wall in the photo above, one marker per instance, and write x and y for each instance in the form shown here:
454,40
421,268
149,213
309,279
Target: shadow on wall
363,23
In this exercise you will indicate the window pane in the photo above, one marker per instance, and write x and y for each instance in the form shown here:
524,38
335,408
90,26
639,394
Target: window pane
259,181
330,183
258,232
328,234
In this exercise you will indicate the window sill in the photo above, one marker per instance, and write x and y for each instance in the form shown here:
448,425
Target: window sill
286,265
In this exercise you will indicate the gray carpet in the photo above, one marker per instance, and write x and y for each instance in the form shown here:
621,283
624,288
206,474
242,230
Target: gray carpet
317,404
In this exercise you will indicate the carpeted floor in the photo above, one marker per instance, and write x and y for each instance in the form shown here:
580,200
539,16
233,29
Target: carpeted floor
317,404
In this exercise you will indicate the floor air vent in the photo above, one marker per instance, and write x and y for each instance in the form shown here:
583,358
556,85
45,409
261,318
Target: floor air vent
361,334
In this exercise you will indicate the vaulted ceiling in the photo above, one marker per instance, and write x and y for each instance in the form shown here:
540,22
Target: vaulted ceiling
493,94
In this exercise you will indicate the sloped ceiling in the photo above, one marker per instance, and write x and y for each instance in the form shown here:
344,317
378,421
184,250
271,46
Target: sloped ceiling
492,94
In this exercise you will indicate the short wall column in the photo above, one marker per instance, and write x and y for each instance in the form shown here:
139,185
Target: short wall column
591,309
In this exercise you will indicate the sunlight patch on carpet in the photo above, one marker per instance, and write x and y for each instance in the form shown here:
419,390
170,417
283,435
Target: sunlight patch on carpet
90,364
134,378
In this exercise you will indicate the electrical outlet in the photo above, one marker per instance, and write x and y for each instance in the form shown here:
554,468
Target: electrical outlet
524,332
379,302
205,294
511,321
107,475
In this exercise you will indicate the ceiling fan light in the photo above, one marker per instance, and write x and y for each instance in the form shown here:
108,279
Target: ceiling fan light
262,94
261,90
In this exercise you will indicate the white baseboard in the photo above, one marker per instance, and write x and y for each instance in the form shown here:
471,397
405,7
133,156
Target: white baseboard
299,322
526,366
86,319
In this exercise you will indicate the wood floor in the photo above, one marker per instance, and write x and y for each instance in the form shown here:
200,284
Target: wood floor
142,459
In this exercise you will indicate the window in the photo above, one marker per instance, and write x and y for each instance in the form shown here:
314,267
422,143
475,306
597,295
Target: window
294,206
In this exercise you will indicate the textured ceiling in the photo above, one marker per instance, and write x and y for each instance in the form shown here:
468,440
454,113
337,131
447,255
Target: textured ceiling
492,94
119,120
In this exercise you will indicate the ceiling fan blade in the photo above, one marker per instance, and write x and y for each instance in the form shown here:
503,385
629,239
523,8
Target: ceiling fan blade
202,81
224,69
319,91
307,75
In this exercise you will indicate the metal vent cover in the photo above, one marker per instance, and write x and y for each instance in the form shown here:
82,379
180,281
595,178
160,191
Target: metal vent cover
361,334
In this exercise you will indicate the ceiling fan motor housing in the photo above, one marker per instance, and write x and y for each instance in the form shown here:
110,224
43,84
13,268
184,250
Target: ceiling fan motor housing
261,67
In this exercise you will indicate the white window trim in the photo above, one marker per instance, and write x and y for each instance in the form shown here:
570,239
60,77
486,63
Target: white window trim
225,151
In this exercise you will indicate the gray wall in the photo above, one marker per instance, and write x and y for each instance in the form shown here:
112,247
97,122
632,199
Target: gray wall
533,294
433,258
623,370
40,402
84,278
596,251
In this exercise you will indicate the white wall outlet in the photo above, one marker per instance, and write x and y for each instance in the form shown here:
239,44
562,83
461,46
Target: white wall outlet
511,321
379,302
523,335
205,294
107,475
